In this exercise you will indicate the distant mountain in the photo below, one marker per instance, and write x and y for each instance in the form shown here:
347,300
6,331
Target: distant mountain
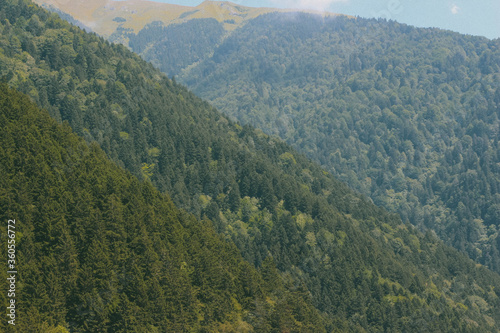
109,16
407,116
158,31
361,267
67,17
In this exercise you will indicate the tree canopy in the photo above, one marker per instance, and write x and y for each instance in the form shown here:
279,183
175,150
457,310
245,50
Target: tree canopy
309,236
406,116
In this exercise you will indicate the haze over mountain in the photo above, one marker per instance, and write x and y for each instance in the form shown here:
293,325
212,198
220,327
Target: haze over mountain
109,16
313,240
406,116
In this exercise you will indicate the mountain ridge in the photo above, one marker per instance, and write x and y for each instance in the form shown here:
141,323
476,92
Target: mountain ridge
97,244
407,116
105,18
363,268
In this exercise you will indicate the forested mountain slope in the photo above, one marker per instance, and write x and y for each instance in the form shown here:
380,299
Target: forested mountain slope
100,251
185,44
406,116
409,117
362,267
115,17
172,37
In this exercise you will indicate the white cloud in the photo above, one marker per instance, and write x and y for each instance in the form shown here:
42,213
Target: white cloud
321,5
455,9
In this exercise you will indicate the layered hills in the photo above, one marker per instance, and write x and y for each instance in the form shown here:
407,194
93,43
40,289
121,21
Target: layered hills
361,267
407,116
140,24
109,16
100,251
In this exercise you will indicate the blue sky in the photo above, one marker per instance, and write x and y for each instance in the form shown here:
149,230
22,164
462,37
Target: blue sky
479,17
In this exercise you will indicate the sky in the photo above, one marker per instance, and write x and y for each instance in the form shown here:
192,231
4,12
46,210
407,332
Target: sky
474,17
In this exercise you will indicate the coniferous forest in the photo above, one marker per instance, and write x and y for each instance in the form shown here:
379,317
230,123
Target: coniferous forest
255,237
101,251
407,116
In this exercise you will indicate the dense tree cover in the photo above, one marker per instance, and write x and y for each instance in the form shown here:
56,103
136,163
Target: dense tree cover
363,268
100,251
185,43
407,116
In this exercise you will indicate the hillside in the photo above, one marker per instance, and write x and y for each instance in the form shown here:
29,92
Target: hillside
111,16
362,268
407,116
99,251
172,37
